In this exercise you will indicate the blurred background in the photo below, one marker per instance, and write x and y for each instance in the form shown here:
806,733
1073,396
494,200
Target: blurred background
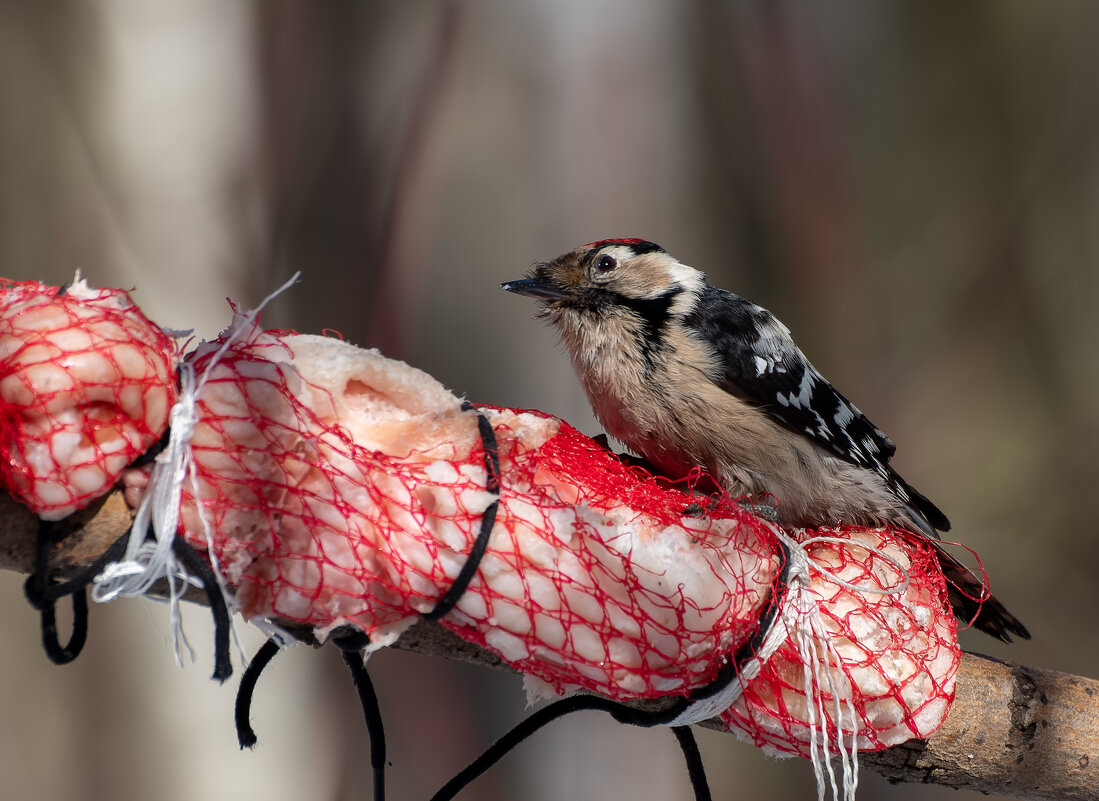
912,187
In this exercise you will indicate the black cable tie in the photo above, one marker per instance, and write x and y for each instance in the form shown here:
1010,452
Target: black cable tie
197,566
747,651
350,638
541,718
351,650
43,594
242,710
488,519
517,734
622,713
780,588
696,771
64,654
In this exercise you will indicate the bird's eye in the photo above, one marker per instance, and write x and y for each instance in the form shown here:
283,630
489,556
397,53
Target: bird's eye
606,263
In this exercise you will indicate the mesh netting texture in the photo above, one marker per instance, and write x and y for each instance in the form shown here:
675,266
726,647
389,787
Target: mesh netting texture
877,610
86,385
342,488
332,487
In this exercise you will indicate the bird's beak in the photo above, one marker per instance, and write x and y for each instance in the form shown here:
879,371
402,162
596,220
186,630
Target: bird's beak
538,288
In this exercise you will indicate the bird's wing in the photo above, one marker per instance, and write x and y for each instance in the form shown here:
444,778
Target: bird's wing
762,365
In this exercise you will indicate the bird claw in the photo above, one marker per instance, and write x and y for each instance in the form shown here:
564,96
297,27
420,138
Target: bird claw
761,510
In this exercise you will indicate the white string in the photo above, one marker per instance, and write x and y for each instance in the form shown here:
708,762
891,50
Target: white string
272,631
147,561
800,621
804,621
714,705
710,707
215,563
897,590
821,664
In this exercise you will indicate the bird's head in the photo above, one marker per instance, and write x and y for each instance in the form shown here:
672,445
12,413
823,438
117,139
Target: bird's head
612,275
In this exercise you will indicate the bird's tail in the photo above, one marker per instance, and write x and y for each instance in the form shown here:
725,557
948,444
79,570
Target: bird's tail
974,604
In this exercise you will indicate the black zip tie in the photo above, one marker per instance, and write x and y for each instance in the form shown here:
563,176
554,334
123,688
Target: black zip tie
197,566
242,710
748,650
351,649
695,769
542,717
488,519
629,715
352,642
781,586
620,712
40,590
64,654
43,594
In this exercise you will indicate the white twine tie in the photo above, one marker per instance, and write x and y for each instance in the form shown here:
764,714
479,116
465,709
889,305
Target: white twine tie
147,561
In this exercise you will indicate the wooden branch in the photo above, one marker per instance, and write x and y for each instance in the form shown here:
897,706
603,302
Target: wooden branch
1013,730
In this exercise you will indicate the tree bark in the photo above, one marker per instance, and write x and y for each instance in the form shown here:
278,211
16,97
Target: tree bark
1012,730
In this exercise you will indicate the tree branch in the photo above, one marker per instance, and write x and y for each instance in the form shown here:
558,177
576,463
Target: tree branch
1013,730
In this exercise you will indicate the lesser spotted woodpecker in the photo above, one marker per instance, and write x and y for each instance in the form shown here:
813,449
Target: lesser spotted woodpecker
686,374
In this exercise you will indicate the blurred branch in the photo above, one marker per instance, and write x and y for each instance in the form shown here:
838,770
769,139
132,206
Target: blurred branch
1013,730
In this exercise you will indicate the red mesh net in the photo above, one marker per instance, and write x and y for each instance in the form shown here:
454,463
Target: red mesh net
601,584
881,664
334,487
613,588
86,384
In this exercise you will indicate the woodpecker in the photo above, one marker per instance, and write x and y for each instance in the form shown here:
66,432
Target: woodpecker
688,375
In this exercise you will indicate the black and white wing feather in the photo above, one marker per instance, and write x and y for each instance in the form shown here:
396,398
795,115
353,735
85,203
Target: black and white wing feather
763,366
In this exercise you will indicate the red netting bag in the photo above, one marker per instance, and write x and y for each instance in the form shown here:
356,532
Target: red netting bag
870,655
884,621
337,488
86,384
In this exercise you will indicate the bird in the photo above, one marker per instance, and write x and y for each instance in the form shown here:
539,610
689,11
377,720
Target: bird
689,375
